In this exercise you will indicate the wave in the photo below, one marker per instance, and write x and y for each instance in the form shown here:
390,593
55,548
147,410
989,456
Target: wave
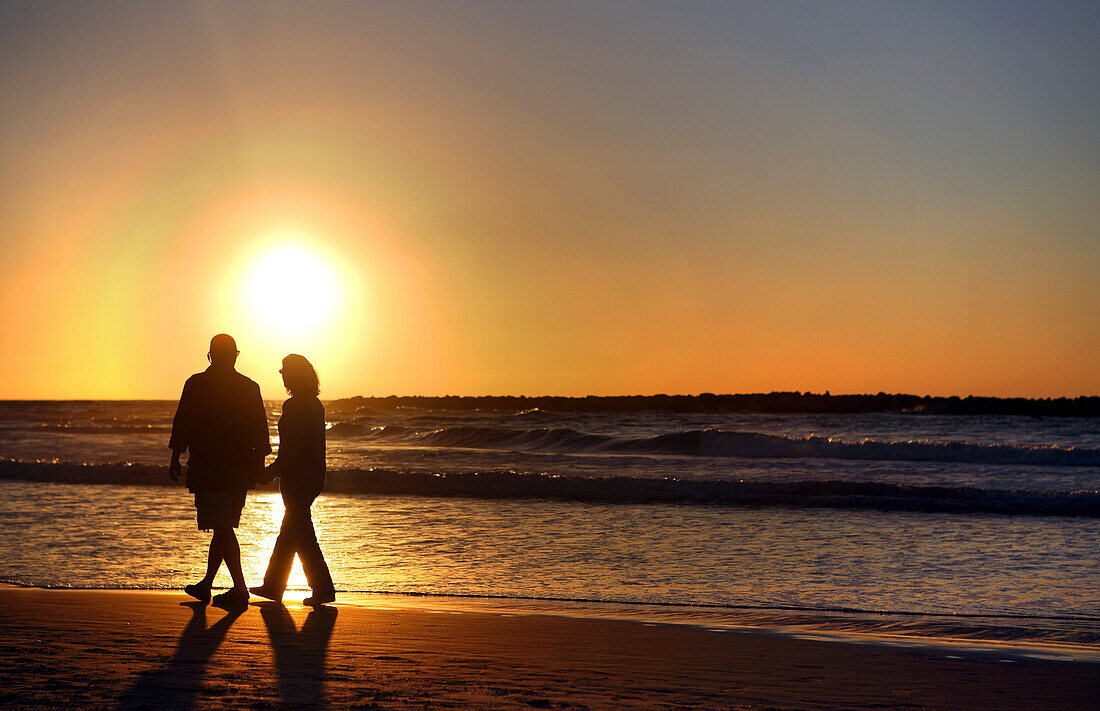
628,490
719,443
113,428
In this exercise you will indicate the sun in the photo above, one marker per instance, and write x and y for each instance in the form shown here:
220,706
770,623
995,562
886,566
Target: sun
294,290
291,289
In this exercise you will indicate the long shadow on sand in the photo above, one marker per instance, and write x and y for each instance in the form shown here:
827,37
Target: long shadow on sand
299,653
178,684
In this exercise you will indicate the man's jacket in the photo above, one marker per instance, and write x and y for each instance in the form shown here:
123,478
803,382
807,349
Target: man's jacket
222,423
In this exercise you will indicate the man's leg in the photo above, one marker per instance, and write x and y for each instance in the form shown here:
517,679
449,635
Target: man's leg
213,562
201,589
230,549
226,541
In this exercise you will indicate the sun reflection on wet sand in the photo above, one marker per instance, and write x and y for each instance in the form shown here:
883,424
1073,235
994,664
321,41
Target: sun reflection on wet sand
265,514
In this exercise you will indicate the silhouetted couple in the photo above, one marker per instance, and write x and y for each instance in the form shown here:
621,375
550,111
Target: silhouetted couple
222,423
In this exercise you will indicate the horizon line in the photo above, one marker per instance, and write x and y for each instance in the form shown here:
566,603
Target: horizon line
772,393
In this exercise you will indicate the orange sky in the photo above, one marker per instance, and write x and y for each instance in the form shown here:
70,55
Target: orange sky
530,198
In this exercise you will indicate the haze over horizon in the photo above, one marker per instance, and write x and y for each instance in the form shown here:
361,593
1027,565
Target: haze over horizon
534,198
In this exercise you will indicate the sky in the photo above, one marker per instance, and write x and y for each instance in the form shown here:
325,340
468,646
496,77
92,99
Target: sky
535,198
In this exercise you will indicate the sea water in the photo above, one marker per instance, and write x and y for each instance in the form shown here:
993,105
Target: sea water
984,527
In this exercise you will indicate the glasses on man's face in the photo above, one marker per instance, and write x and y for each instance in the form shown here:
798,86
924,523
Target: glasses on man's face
210,357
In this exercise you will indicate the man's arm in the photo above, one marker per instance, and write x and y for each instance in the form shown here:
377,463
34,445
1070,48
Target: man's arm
261,441
259,419
181,433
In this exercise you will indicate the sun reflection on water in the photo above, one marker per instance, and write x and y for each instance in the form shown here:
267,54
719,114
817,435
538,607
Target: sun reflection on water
258,539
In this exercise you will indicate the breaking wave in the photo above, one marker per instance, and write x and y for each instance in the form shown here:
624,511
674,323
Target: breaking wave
628,490
111,428
718,443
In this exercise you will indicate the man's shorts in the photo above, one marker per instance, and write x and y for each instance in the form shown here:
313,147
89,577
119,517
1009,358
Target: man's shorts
220,509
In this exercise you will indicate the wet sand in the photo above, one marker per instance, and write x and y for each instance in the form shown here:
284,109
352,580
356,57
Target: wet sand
129,649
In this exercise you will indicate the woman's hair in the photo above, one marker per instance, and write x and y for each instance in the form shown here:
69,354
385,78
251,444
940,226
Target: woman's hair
299,376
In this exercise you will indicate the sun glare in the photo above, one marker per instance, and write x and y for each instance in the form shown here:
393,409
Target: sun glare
289,291
266,510
292,290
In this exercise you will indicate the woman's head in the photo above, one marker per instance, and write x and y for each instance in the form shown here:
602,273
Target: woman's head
299,377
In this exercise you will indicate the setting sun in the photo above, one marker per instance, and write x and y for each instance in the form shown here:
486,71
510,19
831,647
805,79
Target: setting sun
292,290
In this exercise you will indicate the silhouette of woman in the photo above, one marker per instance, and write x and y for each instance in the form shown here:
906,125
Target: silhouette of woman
300,467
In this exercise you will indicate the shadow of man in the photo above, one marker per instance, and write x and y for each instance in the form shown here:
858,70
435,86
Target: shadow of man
299,654
178,684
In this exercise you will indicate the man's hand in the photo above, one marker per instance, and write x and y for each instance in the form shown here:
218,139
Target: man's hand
174,469
269,475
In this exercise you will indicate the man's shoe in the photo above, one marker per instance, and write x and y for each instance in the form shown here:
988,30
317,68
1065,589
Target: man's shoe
319,599
265,592
197,591
231,599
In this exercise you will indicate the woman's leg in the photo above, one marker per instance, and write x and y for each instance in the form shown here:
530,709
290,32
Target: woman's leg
282,557
309,552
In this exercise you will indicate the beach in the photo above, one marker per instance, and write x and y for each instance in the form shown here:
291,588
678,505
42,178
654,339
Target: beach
143,649
530,559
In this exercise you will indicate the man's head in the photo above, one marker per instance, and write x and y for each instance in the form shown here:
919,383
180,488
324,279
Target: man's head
223,350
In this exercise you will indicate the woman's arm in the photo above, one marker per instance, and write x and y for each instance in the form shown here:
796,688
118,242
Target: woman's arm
290,442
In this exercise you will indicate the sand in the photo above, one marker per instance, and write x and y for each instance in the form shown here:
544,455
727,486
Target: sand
128,649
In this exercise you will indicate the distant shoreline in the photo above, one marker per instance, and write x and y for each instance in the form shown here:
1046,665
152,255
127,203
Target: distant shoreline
774,402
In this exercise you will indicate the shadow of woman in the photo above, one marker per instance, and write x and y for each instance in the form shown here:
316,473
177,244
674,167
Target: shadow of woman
299,653
178,683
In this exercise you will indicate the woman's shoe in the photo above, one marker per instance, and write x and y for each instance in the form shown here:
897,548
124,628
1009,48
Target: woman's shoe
198,591
263,591
319,599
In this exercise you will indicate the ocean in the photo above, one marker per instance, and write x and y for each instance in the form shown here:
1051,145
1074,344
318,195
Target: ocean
901,525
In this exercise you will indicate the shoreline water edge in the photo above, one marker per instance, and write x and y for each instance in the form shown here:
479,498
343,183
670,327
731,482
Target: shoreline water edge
132,649
877,528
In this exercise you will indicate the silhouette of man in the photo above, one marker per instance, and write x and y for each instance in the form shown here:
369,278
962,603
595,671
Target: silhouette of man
222,423
178,684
